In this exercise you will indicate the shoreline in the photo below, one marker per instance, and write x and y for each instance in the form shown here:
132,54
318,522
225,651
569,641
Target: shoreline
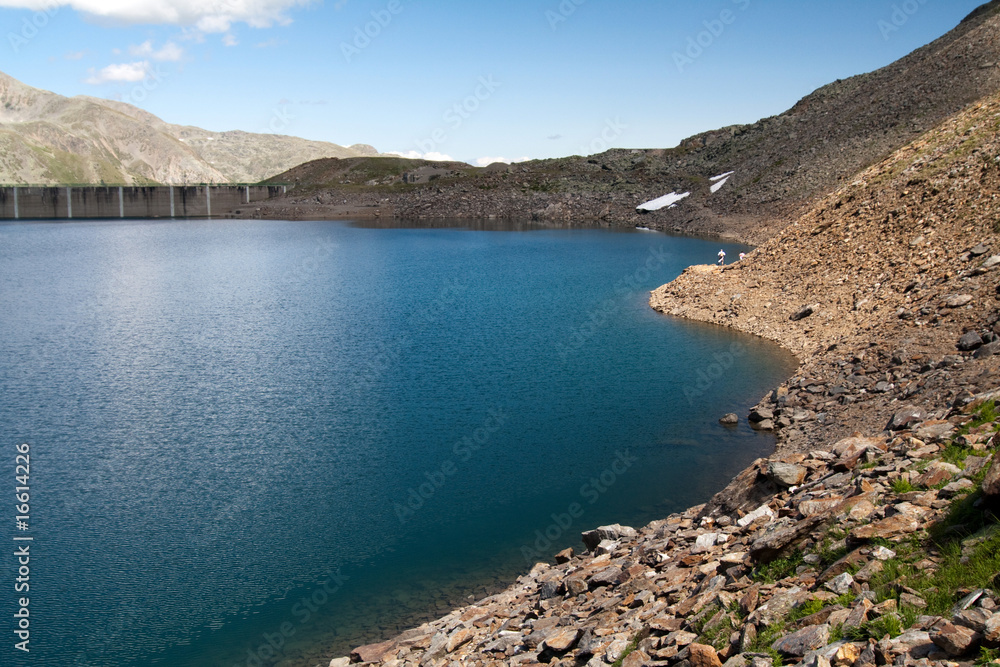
887,293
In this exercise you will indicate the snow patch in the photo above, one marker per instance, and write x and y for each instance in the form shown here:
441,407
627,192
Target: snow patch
666,201
720,180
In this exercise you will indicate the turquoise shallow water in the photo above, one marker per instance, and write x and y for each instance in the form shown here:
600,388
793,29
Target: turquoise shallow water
266,442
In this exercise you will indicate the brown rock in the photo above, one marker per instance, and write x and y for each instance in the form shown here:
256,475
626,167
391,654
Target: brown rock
748,602
992,633
610,576
565,556
820,617
371,652
937,473
458,638
956,640
635,659
771,545
702,655
575,585
786,474
802,641
891,528
846,655
562,640
991,483
858,615
819,505
666,624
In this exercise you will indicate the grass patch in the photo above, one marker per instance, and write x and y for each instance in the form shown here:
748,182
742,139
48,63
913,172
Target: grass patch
890,624
955,455
901,486
977,570
716,633
987,655
778,569
769,635
986,413
806,609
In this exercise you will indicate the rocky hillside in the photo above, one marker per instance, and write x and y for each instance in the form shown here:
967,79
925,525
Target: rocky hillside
48,139
780,164
891,270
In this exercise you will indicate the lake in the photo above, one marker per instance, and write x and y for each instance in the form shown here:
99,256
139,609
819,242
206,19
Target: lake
262,442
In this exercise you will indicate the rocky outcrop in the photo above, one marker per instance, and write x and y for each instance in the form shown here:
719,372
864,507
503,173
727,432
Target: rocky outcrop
895,268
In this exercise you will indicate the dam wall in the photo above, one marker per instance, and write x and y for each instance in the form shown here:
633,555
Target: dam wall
69,202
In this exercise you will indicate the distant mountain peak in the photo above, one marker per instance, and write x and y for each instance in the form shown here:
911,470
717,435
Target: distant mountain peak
46,138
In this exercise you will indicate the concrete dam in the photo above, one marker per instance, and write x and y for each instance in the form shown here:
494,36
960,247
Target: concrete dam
71,202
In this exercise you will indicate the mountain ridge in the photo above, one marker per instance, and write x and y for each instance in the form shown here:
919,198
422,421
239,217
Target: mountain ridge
49,139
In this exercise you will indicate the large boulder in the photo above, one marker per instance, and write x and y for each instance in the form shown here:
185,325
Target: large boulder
803,641
786,474
592,538
956,640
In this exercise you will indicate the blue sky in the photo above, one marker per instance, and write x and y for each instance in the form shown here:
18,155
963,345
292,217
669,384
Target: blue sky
473,81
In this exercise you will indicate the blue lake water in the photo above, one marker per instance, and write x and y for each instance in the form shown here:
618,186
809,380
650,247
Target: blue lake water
261,443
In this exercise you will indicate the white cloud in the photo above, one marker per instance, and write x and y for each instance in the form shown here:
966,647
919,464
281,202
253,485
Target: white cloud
486,161
75,55
229,39
414,155
207,16
170,51
128,72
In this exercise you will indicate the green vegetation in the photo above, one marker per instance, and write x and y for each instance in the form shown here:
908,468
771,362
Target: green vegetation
763,641
890,624
985,414
778,569
901,486
955,455
987,655
716,632
806,609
